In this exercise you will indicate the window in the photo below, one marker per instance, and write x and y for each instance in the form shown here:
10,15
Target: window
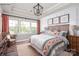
33,27
22,26
13,26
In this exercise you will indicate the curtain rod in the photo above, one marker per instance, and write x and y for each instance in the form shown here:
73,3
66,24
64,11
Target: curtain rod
20,17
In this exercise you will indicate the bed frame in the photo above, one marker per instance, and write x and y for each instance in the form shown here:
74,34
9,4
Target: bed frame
52,28
37,49
64,27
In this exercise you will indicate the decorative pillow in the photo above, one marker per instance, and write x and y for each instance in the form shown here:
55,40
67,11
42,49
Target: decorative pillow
8,36
56,32
63,33
49,32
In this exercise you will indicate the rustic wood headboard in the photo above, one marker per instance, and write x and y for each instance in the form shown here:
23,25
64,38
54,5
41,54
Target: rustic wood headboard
59,27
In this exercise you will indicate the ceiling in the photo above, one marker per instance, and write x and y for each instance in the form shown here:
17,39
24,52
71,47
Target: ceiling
26,9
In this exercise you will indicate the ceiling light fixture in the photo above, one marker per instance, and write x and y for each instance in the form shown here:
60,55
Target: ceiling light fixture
38,9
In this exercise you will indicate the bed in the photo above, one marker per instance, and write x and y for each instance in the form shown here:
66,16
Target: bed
50,45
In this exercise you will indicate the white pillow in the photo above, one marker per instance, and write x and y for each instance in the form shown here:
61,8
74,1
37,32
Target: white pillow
49,32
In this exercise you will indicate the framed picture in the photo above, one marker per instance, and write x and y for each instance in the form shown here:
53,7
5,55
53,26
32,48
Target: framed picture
56,20
50,21
64,18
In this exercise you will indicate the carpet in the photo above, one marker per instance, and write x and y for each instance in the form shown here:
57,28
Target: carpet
21,49
25,49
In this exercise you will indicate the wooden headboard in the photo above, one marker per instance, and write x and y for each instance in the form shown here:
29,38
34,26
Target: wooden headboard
59,27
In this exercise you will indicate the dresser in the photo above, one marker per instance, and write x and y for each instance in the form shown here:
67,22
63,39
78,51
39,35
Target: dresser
73,42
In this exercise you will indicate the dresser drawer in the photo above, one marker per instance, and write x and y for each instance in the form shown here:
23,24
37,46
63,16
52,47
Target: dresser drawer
73,46
77,40
77,49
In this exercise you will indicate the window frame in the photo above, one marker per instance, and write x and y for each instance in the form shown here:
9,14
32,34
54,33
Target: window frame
19,25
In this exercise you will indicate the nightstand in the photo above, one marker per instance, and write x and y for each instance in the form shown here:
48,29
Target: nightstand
73,43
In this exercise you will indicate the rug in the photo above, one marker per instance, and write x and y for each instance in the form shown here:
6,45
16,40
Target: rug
25,49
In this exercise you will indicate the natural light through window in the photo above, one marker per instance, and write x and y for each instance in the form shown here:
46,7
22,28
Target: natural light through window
22,26
13,26
34,26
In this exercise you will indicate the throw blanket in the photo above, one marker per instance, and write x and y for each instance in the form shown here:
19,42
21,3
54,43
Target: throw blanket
50,44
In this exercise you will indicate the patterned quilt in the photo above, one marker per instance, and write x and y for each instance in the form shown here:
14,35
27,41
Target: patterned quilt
50,44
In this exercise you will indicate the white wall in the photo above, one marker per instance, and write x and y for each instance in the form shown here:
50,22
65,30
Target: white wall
77,13
0,20
72,10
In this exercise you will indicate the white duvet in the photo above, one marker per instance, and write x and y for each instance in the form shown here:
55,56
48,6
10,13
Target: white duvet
38,40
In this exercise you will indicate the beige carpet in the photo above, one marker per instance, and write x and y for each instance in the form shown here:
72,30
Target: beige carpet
25,49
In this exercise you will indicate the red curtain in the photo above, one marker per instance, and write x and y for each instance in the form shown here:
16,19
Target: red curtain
5,23
38,26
